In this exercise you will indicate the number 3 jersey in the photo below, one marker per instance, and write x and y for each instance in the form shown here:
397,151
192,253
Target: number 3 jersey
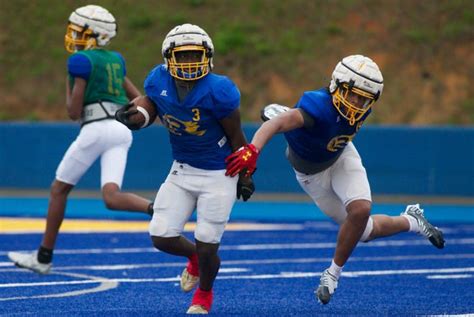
196,135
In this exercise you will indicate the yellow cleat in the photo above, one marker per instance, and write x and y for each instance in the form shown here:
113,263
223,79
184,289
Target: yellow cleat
188,281
197,309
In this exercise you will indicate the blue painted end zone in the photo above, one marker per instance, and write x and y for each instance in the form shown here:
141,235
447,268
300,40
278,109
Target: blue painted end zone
254,211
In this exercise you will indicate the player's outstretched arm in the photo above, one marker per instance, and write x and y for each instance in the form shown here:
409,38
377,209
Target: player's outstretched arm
139,113
245,158
284,122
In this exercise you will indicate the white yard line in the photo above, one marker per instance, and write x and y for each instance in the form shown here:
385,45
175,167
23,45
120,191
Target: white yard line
104,285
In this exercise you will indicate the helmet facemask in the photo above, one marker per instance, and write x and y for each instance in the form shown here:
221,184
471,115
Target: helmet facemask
352,102
189,62
79,38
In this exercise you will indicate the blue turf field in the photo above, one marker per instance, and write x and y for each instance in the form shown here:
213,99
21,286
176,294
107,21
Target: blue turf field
263,273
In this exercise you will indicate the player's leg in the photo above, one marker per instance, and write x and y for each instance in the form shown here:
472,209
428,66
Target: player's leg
413,220
384,226
349,182
173,207
218,194
318,187
56,209
351,230
116,143
113,163
76,161
342,192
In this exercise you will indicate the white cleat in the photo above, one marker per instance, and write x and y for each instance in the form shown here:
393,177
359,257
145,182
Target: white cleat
188,281
29,261
327,286
197,310
427,229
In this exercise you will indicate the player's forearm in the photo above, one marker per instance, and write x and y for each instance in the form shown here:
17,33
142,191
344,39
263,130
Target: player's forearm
237,140
284,122
264,134
232,129
137,119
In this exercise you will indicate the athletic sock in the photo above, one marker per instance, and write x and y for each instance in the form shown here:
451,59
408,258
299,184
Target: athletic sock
335,269
203,298
193,265
45,255
413,223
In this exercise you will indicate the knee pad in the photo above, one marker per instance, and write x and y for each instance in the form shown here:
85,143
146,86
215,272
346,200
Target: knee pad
158,226
367,231
209,232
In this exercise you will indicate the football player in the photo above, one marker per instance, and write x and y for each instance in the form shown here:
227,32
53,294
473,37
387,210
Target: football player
200,109
96,87
319,132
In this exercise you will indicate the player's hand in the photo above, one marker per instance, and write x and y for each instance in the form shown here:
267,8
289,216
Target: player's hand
124,114
244,158
245,188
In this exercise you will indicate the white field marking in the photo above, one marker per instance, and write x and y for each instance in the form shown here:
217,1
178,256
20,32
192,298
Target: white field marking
452,276
460,315
275,246
233,270
282,275
105,285
117,267
411,271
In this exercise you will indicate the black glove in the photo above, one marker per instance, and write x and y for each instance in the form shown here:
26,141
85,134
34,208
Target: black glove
123,115
245,188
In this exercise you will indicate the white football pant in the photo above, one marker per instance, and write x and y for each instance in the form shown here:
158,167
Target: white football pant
187,188
108,139
339,185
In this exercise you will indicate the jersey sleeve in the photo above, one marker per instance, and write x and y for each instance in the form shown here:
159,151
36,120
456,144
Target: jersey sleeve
226,97
308,121
122,59
308,103
149,85
79,65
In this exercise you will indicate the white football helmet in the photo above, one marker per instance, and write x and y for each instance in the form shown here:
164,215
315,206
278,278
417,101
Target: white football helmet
89,26
356,75
192,39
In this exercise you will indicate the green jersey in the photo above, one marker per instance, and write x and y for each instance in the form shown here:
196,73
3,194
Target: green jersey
105,74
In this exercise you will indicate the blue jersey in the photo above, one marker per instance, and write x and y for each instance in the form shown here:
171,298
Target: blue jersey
330,133
196,136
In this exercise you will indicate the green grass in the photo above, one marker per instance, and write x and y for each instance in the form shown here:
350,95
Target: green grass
298,40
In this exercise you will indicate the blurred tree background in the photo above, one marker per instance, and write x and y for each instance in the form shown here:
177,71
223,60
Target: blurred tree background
274,50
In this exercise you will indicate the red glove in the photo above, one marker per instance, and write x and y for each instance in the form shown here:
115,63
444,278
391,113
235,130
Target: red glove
244,158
